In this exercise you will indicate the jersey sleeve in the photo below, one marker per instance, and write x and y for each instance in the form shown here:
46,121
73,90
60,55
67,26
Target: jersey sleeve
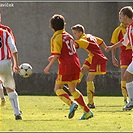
82,43
125,40
56,46
11,44
99,40
114,38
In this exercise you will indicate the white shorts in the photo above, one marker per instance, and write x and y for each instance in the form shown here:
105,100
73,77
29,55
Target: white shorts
130,68
6,74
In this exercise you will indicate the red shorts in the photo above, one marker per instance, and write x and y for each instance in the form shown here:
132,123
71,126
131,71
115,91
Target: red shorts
64,79
125,58
96,67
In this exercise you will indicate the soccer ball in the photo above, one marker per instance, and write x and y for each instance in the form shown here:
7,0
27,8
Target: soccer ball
25,70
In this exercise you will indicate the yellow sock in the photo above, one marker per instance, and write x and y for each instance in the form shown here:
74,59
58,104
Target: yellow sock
81,76
123,89
78,97
64,96
90,92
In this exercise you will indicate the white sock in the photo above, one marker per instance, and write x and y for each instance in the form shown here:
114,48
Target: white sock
1,91
129,87
13,97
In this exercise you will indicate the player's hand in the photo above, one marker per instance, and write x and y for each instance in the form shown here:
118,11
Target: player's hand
108,48
50,58
15,68
115,62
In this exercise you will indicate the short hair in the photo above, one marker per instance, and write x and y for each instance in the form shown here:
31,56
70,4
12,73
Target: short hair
127,10
78,27
57,22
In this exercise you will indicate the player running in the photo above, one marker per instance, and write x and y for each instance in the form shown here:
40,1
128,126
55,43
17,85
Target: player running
3,99
125,55
126,15
63,50
95,63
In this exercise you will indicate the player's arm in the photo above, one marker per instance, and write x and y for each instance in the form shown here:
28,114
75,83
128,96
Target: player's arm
15,60
14,52
109,48
114,60
53,60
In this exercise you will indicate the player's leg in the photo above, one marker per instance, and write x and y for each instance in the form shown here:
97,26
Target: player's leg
84,70
90,90
3,99
129,85
78,97
62,94
9,84
123,85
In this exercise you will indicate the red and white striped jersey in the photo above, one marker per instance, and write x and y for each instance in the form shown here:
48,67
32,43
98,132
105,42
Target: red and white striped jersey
128,37
7,45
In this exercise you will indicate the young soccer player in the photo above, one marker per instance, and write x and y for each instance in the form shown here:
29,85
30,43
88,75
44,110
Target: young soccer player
63,50
3,99
9,51
125,55
126,15
95,63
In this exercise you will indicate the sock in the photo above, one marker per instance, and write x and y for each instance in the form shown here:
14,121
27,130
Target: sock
123,89
1,91
13,97
78,97
129,87
64,96
80,76
90,92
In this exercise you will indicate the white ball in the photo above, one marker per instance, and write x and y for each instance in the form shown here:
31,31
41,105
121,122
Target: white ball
25,70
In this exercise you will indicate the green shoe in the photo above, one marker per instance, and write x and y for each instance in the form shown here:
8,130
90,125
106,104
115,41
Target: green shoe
73,108
87,115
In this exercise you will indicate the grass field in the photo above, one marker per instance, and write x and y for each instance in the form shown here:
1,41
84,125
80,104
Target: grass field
49,113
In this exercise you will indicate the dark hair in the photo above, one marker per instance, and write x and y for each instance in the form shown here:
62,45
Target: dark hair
78,27
127,10
57,22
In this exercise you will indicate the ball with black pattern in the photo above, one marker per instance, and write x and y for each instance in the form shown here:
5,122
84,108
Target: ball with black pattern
25,70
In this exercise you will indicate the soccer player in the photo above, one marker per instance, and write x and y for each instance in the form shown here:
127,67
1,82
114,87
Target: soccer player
125,55
9,51
95,63
3,99
63,50
126,15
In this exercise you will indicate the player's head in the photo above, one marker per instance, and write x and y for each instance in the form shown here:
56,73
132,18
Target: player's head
77,31
57,22
125,14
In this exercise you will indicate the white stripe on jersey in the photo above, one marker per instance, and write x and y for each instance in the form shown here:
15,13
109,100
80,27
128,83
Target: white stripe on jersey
8,46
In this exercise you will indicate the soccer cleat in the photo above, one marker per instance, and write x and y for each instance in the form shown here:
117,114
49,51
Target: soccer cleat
128,106
18,117
3,101
92,106
126,101
73,107
87,115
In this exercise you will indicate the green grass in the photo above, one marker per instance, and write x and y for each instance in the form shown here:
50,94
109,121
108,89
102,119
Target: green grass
49,113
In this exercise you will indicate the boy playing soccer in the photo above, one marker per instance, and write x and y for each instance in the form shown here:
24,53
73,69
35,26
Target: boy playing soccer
126,14
63,50
95,63
125,55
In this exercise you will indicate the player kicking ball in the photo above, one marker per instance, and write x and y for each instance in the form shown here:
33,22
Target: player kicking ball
63,50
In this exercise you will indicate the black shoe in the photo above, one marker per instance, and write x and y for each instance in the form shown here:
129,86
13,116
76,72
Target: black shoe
92,106
18,117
